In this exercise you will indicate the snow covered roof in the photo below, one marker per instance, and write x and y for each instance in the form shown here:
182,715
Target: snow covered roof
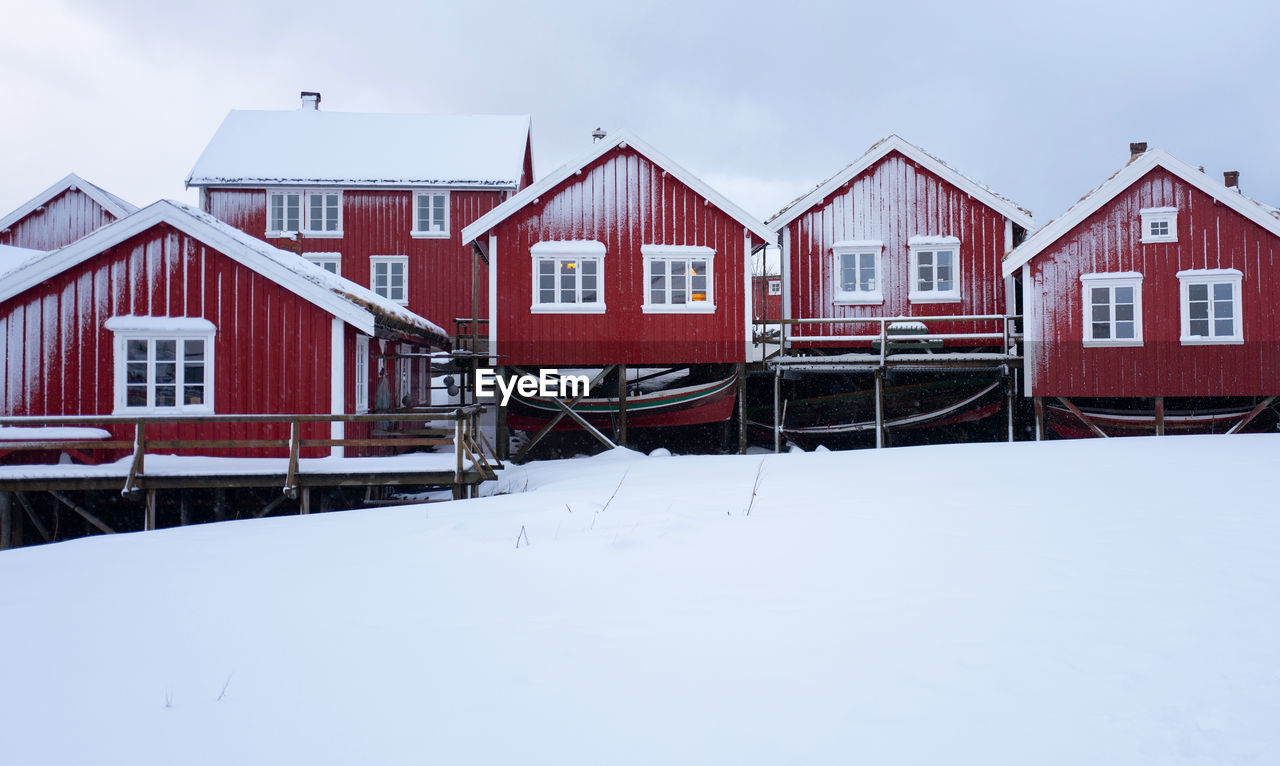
309,146
356,305
1263,215
623,139
109,202
12,257
985,194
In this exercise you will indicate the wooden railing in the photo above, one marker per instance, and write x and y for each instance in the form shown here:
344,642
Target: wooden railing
1008,333
470,334
469,442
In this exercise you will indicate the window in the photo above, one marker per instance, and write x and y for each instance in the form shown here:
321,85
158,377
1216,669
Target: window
1112,309
775,287
568,277
163,363
678,278
362,374
315,213
1159,224
934,269
389,276
1211,306
857,271
431,214
330,262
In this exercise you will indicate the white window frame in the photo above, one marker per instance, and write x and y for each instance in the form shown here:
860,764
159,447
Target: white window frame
1110,280
1210,277
152,329
558,252
1153,215
283,230
775,287
419,233
304,214
857,248
324,260
390,260
361,369
669,254
918,245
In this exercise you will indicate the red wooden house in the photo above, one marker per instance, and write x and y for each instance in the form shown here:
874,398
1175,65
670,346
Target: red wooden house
378,198
169,311
61,214
897,233
1162,282
620,258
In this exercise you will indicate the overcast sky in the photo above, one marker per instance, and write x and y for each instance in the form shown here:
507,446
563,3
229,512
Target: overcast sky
763,100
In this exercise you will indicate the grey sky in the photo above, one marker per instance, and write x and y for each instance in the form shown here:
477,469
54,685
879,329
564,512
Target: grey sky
763,100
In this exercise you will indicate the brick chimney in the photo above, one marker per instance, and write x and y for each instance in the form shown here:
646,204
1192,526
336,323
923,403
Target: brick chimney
1232,179
1136,149
310,100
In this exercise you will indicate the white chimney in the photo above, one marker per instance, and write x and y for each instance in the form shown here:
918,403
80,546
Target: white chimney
310,100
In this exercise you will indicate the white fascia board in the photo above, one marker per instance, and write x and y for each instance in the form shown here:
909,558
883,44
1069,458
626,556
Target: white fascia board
113,205
619,138
43,269
1121,181
984,195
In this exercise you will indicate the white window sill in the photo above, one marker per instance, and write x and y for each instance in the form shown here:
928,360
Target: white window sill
194,409
1127,343
568,308
933,298
322,235
1158,240
697,308
281,234
869,300
429,234
1197,340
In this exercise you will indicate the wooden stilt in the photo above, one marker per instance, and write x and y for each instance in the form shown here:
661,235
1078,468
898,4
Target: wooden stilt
777,409
742,408
1039,405
184,508
304,507
502,431
149,515
1076,411
600,376
1159,416
219,504
31,514
89,517
1253,413
879,409
1008,390
622,405
6,520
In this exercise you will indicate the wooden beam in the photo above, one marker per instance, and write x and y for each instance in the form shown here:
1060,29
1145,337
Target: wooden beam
135,468
1253,413
271,506
742,408
149,514
291,478
1008,391
1159,416
89,517
879,409
777,396
583,422
6,520
304,507
1076,411
559,415
31,514
622,404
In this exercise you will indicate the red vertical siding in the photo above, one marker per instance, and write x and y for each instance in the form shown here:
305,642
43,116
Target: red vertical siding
65,218
271,351
624,201
891,201
379,222
1210,236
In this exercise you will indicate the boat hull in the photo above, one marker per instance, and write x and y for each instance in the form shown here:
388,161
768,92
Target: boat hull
688,405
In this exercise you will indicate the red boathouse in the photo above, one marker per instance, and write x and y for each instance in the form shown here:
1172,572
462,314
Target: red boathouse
61,214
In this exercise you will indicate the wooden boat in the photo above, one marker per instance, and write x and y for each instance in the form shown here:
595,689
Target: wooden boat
710,402
918,405
1064,423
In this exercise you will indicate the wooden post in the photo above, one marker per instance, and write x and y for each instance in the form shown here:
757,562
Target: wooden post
1039,405
1159,416
457,449
184,508
777,396
304,507
502,432
742,408
622,405
1253,413
880,405
6,520
1008,390
149,517
1082,417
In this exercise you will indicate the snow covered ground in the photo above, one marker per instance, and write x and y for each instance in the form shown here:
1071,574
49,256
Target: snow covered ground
1090,602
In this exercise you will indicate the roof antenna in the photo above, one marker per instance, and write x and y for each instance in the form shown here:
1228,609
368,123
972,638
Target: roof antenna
597,135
